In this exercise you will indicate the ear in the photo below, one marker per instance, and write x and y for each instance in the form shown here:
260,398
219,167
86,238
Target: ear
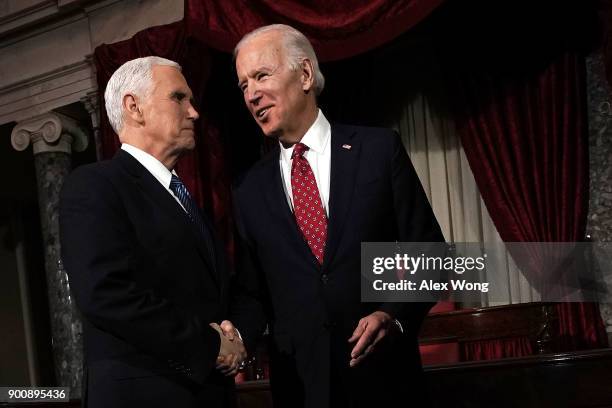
131,108
307,76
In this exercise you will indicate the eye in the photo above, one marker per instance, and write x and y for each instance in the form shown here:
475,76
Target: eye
179,96
261,76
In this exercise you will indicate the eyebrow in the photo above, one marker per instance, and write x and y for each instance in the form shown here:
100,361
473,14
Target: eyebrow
264,68
178,94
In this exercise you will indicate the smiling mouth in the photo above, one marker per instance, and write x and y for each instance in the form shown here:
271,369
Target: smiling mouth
262,112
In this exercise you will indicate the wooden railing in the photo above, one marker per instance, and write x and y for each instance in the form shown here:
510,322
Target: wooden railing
535,321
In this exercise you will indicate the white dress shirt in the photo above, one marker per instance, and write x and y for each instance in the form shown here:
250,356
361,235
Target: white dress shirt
318,139
154,166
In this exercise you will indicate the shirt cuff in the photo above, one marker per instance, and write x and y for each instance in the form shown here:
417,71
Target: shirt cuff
397,323
240,335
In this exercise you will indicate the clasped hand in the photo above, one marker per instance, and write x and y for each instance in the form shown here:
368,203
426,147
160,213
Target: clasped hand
231,351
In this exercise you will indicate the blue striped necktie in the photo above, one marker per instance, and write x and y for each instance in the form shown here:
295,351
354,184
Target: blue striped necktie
180,191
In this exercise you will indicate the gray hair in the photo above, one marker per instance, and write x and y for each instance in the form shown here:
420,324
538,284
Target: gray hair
135,77
297,47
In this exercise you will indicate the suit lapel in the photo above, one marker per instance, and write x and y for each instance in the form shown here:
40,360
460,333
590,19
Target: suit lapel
276,200
151,187
344,160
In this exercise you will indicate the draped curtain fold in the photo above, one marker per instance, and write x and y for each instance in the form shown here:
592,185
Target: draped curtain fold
337,29
527,143
437,154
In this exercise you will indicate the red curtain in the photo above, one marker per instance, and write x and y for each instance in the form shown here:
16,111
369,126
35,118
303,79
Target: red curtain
204,170
526,140
337,29
493,349
527,144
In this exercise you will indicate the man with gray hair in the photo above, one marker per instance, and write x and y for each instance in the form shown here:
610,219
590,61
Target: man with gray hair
302,213
145,267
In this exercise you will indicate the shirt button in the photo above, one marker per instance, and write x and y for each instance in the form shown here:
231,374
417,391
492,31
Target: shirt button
324,278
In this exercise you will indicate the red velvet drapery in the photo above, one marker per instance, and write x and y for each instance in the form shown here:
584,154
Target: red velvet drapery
494,349
527,143
337,29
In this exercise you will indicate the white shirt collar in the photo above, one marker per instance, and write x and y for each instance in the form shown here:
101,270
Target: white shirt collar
316,138
154,166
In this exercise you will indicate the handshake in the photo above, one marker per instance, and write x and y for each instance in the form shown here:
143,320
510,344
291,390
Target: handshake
232,354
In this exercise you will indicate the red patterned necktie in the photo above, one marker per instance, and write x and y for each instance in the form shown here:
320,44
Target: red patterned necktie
307,207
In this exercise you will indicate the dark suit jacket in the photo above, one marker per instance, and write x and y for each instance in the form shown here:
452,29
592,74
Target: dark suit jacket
147,288
375,195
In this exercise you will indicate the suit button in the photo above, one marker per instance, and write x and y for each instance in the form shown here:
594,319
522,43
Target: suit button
324,278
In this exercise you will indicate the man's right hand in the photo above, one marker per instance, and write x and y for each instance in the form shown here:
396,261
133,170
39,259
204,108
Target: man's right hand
231,353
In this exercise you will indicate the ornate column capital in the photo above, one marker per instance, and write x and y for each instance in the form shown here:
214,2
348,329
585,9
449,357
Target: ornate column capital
49,132
90,101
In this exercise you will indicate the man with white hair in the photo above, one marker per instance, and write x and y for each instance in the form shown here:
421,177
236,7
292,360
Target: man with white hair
145,267
302,213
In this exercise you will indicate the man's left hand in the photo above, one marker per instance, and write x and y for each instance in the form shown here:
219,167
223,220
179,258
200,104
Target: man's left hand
370,330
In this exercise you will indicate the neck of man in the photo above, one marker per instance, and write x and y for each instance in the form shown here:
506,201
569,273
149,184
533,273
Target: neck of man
310,116
165,157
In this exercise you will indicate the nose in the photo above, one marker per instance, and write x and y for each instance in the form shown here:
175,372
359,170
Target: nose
252,93
192,113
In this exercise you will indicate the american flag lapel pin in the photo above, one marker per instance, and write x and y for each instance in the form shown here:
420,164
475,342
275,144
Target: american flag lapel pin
347,146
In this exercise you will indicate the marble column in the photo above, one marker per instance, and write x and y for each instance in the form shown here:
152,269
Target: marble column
53,137
599,227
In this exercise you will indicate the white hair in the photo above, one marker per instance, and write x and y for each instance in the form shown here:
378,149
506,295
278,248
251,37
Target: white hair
296,46
134,77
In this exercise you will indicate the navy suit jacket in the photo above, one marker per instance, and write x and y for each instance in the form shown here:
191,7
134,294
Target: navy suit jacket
146,285
375,195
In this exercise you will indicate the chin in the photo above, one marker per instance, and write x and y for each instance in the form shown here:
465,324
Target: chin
190,145
270,132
